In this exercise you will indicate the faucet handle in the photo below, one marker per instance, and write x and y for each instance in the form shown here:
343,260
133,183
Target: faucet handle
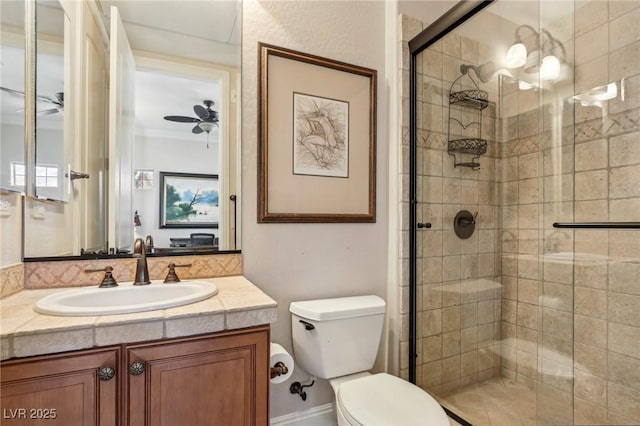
148,242
108,280
172,277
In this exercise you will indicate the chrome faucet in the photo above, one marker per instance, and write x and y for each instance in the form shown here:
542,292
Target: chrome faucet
142,271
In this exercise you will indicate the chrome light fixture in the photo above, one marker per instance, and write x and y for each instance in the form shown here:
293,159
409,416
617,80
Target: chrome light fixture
548,57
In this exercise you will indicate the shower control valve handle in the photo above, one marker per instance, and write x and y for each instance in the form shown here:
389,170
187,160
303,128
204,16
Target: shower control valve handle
467,221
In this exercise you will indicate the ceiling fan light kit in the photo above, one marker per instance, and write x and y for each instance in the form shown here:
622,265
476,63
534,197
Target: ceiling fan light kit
206,126
207,119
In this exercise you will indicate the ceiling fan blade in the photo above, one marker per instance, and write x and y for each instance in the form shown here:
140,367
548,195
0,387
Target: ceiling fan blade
11,91
182,119
201,111
47,99
196,129
48,111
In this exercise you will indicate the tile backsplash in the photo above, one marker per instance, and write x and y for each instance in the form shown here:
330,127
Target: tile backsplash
37,275
11,279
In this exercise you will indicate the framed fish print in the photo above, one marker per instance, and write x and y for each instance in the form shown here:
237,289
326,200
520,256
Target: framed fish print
317,139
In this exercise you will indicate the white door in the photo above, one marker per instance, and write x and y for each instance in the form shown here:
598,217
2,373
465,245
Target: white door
121,135
92,208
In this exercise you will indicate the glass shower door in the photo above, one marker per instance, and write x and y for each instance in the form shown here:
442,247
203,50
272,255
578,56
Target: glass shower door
534,317
605,232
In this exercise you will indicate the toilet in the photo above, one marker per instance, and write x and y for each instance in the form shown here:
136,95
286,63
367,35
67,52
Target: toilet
337,339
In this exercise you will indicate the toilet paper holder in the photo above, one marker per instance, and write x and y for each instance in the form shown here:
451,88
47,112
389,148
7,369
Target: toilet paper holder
298,388
278,369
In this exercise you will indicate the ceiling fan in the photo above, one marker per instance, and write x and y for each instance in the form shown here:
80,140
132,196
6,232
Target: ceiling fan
206,121
57,100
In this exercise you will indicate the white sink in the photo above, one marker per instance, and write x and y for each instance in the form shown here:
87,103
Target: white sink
124,299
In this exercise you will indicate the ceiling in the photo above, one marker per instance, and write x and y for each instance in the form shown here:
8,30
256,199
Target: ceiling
159,94
206,30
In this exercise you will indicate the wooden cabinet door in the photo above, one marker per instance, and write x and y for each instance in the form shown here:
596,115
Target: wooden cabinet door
200,381
61,390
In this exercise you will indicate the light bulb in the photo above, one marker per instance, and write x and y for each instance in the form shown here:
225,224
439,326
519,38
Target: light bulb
516,56
206,126
550,68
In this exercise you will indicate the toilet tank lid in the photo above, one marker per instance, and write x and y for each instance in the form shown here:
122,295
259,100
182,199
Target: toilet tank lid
337,308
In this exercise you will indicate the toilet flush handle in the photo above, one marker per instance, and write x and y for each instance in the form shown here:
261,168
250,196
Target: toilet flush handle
307,325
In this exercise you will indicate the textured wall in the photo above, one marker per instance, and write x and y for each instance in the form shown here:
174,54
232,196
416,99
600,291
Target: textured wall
306,261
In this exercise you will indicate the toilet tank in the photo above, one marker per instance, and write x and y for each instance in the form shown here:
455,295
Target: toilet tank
337,337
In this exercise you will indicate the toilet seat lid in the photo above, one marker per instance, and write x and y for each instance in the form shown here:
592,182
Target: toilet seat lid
383,399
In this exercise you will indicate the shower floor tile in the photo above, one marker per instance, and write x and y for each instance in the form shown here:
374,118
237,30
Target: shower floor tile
494,402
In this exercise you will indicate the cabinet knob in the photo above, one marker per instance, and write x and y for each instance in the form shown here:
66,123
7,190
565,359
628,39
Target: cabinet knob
106,373
136,368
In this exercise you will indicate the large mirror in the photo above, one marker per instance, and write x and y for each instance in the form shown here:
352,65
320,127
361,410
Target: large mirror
171,134
54,147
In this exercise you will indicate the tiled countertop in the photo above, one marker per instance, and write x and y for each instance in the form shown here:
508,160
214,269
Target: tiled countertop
24,332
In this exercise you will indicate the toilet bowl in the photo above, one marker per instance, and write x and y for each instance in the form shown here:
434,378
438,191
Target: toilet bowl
383,399
338,339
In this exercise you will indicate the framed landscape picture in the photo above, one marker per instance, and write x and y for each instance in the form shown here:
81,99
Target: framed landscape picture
189,200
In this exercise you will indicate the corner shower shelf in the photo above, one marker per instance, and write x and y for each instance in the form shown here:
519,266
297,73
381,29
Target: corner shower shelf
471,97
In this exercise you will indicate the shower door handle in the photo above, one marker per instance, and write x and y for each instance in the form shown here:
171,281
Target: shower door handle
598,225
424,225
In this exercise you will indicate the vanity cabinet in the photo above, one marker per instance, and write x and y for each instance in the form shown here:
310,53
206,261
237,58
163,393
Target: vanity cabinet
218,380
78,388
214,379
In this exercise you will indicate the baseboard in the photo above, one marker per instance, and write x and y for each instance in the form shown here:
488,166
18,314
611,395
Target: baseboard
321,415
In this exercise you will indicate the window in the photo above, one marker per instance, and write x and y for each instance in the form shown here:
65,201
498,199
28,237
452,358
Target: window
47,176
17,174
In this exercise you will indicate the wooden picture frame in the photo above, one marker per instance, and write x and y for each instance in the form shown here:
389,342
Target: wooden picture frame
317,139
189,200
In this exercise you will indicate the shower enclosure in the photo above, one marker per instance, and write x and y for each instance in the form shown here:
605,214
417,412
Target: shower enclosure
524,211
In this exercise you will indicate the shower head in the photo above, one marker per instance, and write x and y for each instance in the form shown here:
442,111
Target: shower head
484,72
